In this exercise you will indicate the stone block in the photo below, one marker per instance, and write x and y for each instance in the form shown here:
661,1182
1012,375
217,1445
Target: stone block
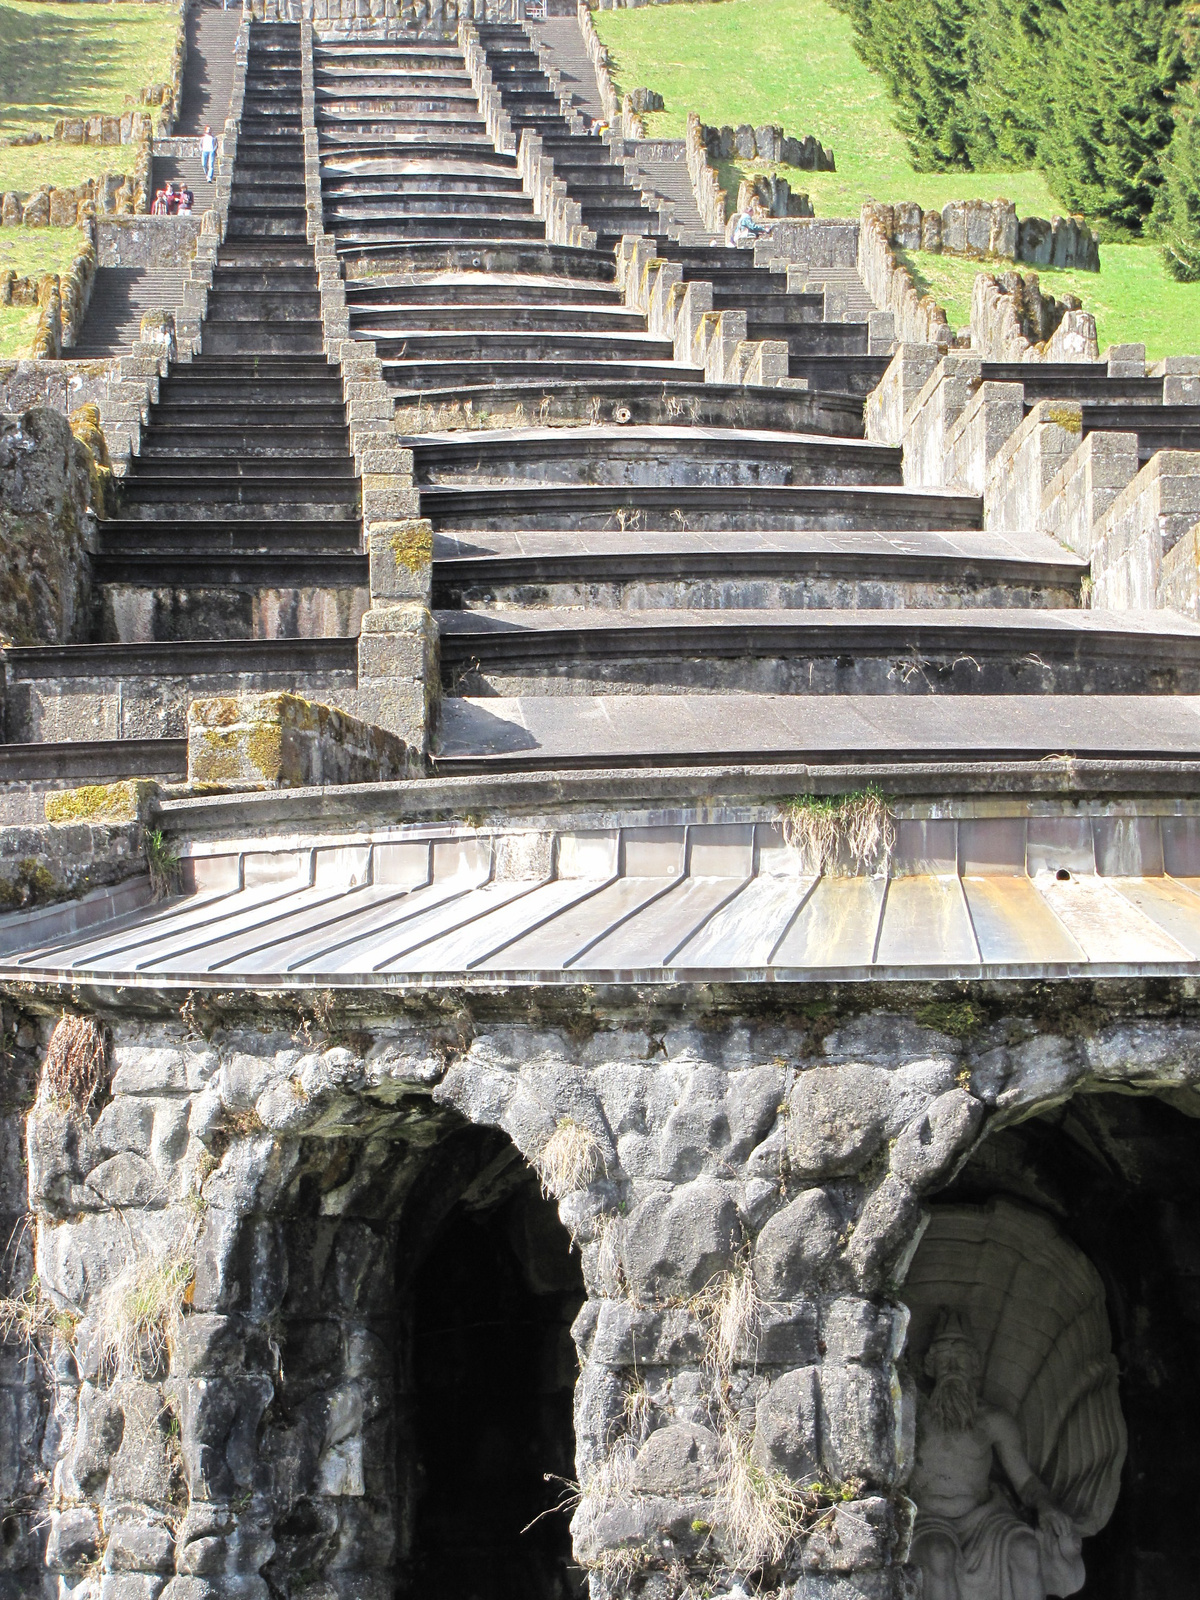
889,402
931,232
279,741
1179,580
1125,360
744,143
797,1245
674,1243
787,1426
1003,230
906,225
1141,527
1020,471
401,560
942,400
1080,493
398,670
768,142
992,416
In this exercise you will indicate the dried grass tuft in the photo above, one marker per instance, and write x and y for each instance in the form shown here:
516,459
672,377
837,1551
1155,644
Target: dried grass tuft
76,1068
730,1311
140,1310
828,829
761,1513
569,1160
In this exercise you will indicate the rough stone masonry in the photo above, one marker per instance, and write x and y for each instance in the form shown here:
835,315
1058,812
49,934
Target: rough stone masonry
230,1213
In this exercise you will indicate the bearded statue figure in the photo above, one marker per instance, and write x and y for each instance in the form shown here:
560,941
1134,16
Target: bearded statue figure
970,1541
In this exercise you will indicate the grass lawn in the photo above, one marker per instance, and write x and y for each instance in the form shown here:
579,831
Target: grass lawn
793,62
30,252
1132,297
67,59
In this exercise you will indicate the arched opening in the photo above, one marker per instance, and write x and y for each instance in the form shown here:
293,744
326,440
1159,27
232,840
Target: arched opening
485,1381
1120,1177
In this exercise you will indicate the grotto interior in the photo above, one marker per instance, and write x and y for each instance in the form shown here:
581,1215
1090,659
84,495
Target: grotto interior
1117,1173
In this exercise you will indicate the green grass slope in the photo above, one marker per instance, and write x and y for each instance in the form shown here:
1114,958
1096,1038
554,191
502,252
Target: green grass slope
793,62
30,252
66,59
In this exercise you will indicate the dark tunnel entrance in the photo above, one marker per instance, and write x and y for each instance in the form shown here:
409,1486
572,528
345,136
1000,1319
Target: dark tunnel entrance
491,1379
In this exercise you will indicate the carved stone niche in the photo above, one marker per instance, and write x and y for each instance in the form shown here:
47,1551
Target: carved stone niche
1020,1437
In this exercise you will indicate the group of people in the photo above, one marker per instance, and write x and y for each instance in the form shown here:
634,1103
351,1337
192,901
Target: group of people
173,200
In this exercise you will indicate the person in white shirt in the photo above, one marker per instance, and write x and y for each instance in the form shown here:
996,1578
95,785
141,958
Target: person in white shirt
208,154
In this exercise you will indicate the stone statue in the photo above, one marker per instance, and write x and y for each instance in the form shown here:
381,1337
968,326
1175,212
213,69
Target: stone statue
970,1542
1020,1439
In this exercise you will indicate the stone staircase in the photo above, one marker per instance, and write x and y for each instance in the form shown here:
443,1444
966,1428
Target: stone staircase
121,297
234,562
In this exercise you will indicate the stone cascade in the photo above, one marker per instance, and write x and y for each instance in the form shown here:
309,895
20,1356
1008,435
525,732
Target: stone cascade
233,563
412,183
610,206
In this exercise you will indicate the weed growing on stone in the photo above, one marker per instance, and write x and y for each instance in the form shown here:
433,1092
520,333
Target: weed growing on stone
76,1068
140,1310
570,1158
730,1312
760,1512
956,1020
163,865
26,1318
827,828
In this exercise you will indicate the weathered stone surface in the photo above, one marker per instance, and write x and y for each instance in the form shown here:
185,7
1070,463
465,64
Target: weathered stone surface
679,1461
676,1242
797,1245
279,741
787,1434
47,516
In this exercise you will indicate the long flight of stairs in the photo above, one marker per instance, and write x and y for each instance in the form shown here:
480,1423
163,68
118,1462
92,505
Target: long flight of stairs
234,562
631,565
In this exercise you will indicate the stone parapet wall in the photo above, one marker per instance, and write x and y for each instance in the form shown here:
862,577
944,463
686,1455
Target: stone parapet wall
335,18
598,56
918,318
987,228
51,493
706,186
1012,320
1134,541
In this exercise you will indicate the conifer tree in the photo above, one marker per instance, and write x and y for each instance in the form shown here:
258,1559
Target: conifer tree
1176,216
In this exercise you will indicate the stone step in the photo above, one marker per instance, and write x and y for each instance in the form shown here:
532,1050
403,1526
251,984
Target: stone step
414,179
544,732
765,508
501,256
358,232
517,344
208,69
640,457
828,653
479,290
235,337
1157,426
253,598
409,376
750,570
671,399
481,205
104,691
370,320
209,538
254,440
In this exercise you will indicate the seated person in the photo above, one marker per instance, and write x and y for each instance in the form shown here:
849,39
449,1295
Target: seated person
749,226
